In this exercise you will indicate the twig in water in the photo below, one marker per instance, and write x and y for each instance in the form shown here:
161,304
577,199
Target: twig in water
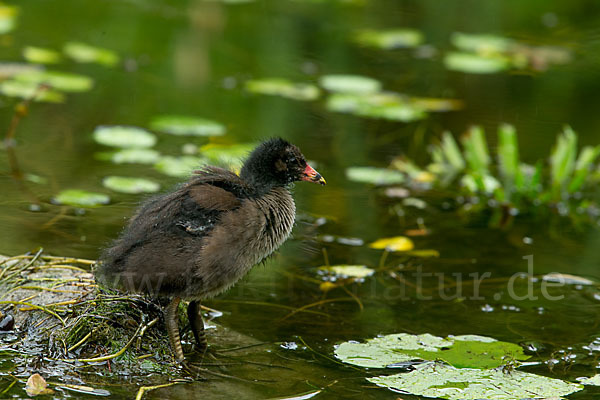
145,389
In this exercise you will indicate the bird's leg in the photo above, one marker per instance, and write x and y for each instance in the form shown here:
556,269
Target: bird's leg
171,320
195,316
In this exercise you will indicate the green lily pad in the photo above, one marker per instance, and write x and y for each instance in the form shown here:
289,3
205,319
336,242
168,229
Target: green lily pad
283,87
85,53
185,125
27,90
475,64
63,81
124,184
135,156
348,271
390,39
377,105
81,198
481,43
10,69
445,382
228,155
124,136
8,18
593,381
350,84
470,351
41,55
179,166
377,176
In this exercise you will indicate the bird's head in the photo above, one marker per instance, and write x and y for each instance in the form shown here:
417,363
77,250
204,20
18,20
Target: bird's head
276,162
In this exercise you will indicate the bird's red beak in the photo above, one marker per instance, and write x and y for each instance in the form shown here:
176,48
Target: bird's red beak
311,175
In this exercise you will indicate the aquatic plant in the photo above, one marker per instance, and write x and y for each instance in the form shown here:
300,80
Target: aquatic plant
502,180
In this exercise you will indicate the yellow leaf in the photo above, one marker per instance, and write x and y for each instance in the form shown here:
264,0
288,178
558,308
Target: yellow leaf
396,243
327,286
425,253
37,385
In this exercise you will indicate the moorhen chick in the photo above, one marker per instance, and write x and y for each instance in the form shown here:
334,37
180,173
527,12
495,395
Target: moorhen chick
198,240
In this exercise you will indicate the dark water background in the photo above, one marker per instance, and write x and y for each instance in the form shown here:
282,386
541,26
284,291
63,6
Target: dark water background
192,57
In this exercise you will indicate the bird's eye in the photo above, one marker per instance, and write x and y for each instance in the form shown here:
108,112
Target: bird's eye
291,160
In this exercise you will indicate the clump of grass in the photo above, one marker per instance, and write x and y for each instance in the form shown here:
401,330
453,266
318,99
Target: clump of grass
561,183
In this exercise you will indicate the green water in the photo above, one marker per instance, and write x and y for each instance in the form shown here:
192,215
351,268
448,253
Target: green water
193,57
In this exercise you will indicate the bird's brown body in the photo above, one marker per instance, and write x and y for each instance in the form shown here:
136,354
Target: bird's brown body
168,250
198,240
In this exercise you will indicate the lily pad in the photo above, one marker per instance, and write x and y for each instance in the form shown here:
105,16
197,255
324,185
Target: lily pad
283,87
377,176
390,106
64,81
81,198
135,156
27,90
396,243
475,63
124,184
124,136
593,381
390,39
445,382
470,351
348,271
85,53
185,125
8,18
41,55
481,43
178,166
350,84
228,155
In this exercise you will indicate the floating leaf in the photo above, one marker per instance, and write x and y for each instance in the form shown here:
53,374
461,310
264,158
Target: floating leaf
349,271
27,90
124,184
85,53
390,106
124,136
63,81
377,176
185,125
425,253
481,43
8,18
445,382
283,87
594,380
228,155
468,351
390,39
8,70
396,243
41,55
567,279
474,63
135,156
178,166
350,84
81,198
36,385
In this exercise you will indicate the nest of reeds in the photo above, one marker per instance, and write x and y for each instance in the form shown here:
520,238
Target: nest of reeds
61,316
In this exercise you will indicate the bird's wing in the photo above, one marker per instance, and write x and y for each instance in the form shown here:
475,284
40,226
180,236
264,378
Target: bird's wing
201,207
